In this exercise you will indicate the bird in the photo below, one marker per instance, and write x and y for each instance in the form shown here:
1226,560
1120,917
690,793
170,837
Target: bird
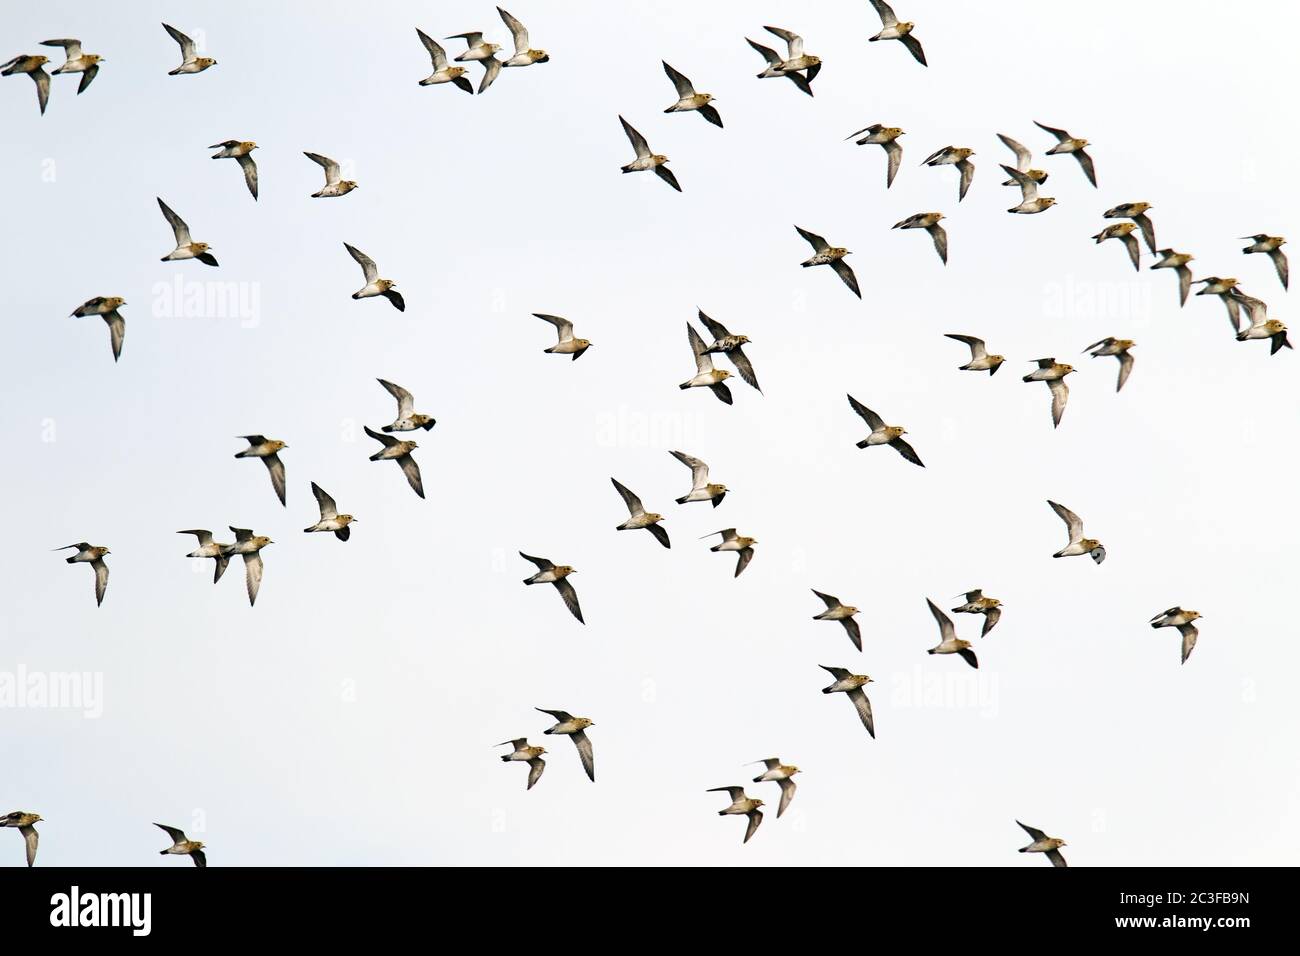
267,449
443,72
949,642
1261,326
1177,617
1053,373
958,156
732,346
191,62
241,150
1118,348
645,159
977,603
551,573
482,52
929,221
400,452
1137,211
566,344
1030,202
408,419
690,101
980,359
94,556
1226,290
882,434
186,248
835,611
706,376
183,846
250,546
334,184
774,64
524,54
1044,844
782,774
1024,162
1169,259
885,137
532,755
824,254
1261,243
219,553
640,518
1065,143
33,66
893,29
741,805
1123,231
75,61
701,488
735,542
575,729
330,519
852,684
25,822
107,309
1078,544
374,285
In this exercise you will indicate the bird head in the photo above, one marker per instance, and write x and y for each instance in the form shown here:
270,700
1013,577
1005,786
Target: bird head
115,301
813,60
659,159
584,343
652,517
200,246
585,722
455,71
277,444
906,27
206,61
40,60
723,374
838,252
565,570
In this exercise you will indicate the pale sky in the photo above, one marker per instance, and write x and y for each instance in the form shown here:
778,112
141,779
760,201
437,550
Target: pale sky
349,717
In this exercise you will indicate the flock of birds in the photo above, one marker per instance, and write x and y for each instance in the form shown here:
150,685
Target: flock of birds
801,68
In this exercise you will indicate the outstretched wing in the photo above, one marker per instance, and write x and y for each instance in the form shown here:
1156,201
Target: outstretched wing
683,85
328,509
873,420
367,264
332,170
817,242
570,598
1072,521
179,229
863,707
585,753
637,140
405,400
946,630
632,501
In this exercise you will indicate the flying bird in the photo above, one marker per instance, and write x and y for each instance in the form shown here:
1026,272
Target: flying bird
1030,202
183,846
524,54
640,518
191,62
645,159
835,611
400,452
1118,348
75,61
781,774
186,248
106,308
408,419
1024,162
330,519
732,346
219,553
1065,143
443,72
1053,373
735,542
706,376
798,69
1261,243
94,556
1043,844
335,185
1177,617
267,449
1261,326
1078,545
1169,259
566,344
250,546
980,359
575,729
1137,211
690,101
851,685
741,805
550,573
1122,231
1226,290
824,254
33,66
949,642
479,51
893,29
977,603
25,822
243,152
885,137
929,221
374,285
701,488
531,755
882,434
958,156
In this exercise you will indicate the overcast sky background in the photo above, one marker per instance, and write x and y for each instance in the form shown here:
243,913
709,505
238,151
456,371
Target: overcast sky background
349,718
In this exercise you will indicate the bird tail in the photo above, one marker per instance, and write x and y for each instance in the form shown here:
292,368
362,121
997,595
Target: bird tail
429,424
1027,378
506,759
930,651
684,385
1023,850
864,443
387,428
826,690
528,581
682,500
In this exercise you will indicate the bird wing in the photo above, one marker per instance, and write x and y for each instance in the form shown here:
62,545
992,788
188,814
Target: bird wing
412,472
1023,156
668,176
773,58
716,328
116,332
632,501
1125,367
1028,188
907,451
536,765
743,557
570,598
542,565
520,33
188,50
405,400
491,70
1283,269
736,793
839,673
472,39
855,632
71,48
242,534
1086,162
977,348
332,171
793,41
32,839
179,229
563,327
863,707
387,440
178,836
1060,134
1148,229
1035,833
1056,858
560,716
1072,521
101,579
1134,250
831,602
250,172
328,509
991,618
683,85
252,575
940,237
703,363
1060,395
199,857
661,535
699,470
436,53
946,630
1189,633
204,536
845,272
817,242
969,657
1184,283
893,150
743,366
788,788
276,467
873,420
755,818
914,47
886,12
367,264
588,757
967,170
710,113
637,140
